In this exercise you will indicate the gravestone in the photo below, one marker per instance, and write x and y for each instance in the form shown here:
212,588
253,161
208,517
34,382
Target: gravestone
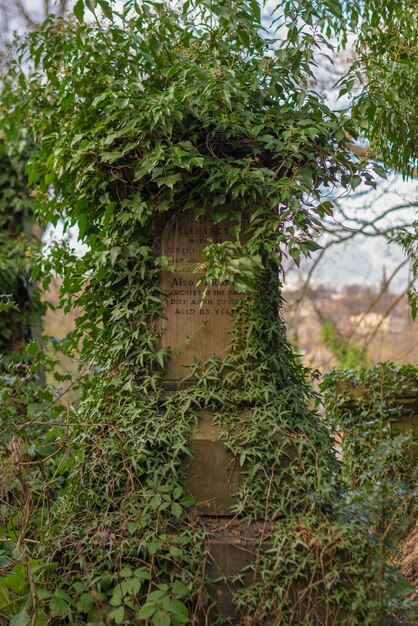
193,328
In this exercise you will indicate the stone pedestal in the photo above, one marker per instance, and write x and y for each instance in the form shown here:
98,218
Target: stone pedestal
234,551
194,328
213,475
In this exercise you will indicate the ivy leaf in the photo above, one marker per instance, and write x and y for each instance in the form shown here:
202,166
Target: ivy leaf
32,348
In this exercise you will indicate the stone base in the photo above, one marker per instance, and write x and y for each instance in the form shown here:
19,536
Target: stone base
232,548
213,475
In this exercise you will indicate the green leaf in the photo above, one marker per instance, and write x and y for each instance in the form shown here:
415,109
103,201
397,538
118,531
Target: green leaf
326,207
59,607
179,611
79,10
188,501
114,253
168,181
161,618
107,11
380,171
22,80
43,593
116,599
85,603
179,589
32,348
60,593
21,619
126,572
14,582
42,618
355,181
117,614
146,611
83,222
176,509
414,305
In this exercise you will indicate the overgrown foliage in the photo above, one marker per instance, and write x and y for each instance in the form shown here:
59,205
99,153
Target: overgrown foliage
375,411
381,81
149,112
17,248
408,238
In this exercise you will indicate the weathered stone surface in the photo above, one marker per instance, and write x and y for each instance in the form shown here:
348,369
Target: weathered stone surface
194,329
409,563
405,422
229,555
237,547
213,475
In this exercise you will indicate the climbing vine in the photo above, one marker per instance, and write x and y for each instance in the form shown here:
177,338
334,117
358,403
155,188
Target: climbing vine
17,246
374,410
135,117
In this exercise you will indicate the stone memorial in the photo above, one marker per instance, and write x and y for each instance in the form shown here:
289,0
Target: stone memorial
194,327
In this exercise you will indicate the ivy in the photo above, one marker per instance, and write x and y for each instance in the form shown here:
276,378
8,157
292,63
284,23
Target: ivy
149,112
20,309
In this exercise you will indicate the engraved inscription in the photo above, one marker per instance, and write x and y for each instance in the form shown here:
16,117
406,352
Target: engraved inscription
193,328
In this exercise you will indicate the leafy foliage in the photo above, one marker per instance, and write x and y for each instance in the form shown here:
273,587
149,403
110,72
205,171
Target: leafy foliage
375,409
23,308
408,238
382,78
347,355
153,111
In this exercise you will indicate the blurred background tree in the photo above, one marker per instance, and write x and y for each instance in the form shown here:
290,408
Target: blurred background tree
19,15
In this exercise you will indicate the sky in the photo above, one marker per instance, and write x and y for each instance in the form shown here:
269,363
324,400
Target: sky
362,259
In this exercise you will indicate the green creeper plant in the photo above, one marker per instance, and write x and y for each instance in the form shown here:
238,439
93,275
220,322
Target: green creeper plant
142,113
17,248
374,410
